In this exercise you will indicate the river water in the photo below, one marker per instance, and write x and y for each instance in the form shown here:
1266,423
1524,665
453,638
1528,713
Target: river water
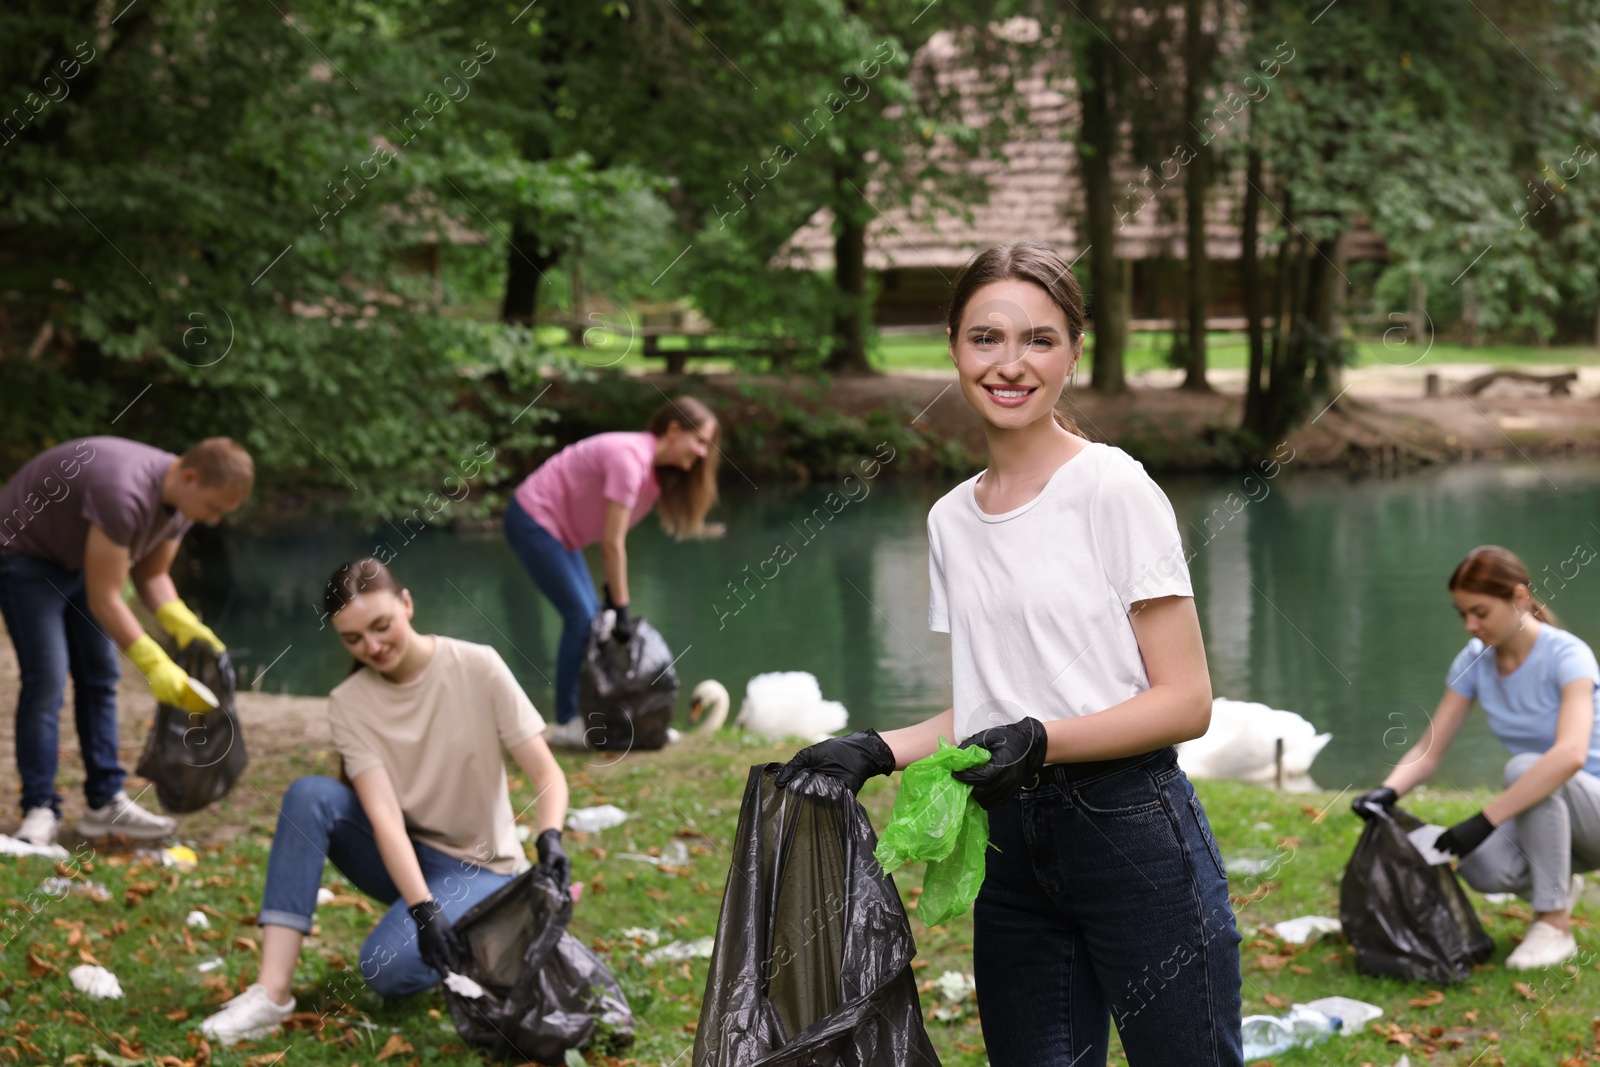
1320,593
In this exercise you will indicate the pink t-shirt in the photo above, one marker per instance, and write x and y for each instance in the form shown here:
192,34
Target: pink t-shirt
567,493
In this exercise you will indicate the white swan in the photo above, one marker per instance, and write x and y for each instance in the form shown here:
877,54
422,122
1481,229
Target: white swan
709,698
784,704
1241,744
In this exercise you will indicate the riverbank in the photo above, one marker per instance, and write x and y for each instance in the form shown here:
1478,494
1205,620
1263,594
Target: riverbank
683,805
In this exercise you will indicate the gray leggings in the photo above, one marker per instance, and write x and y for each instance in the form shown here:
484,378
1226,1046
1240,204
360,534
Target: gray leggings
1535,854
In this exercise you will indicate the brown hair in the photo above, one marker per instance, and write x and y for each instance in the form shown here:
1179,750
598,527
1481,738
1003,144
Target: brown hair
363,575
1495,571
686,495
1026,260
221,461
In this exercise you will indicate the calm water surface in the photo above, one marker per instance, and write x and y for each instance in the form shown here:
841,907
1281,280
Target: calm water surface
1319,593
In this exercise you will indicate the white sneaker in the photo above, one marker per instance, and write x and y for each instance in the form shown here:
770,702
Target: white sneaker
1574,892
1542,946
569,734
246,1017
122,817
39,827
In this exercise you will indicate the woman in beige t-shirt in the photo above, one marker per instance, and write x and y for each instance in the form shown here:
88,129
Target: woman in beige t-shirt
426,824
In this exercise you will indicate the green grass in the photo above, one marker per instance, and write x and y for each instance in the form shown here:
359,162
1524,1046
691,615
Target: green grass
693,789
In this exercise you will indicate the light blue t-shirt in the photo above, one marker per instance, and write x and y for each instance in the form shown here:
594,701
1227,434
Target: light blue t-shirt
1523,706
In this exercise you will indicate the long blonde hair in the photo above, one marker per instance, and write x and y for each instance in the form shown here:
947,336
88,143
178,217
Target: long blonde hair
1494,571
686,495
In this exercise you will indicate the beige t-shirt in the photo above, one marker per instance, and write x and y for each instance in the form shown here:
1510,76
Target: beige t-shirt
439,737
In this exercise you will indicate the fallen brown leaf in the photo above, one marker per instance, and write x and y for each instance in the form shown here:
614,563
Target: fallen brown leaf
1428,999
394,1047
1273,1001
1525,989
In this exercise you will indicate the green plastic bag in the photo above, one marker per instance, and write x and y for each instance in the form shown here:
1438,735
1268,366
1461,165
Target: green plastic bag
936,820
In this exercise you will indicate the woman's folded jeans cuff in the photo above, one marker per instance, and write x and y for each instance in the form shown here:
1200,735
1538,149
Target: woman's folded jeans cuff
285,918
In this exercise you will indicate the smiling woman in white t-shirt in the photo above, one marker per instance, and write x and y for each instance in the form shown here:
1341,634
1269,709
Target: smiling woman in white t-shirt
1077,663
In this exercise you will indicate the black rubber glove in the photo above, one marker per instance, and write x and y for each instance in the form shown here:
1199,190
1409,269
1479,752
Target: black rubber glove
852,759
1465,836
1016,755
432,927
622,629
1367,804
554,857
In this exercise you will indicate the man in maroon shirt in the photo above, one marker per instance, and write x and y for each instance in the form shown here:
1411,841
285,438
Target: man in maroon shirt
76,523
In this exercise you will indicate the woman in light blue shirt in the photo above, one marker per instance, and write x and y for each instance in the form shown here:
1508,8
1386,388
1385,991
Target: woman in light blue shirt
1538,687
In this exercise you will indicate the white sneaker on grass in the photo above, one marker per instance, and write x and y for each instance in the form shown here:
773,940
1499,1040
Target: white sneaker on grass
121,816
39,827
569,734
1542,946
246,1017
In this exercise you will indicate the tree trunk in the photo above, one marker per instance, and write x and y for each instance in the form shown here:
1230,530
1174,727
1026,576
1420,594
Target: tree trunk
849,353
1096,146
1195,180
525,266
1250,269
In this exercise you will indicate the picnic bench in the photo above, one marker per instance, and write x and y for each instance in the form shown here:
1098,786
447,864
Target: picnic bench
1560,383
658,322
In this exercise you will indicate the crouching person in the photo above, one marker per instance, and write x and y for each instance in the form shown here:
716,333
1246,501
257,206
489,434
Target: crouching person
426,825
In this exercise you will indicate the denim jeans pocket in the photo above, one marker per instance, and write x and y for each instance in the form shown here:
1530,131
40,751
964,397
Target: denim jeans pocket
1129,792
1203,826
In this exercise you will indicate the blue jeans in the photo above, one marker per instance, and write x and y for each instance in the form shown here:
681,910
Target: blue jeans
1104,897
321,820
46,609
563,577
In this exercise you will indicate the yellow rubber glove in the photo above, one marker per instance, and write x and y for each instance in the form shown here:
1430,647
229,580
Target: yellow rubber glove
176,618
166,678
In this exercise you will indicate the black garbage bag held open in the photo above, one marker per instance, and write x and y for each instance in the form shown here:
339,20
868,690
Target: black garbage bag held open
812,964
194,758
1405,917
626,691
544,991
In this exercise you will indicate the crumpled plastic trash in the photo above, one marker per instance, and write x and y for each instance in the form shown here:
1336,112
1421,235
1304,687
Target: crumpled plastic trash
96,982
1499,898
698,949
1251,861
954,986
325,895
14,846
679,856
60,887
209,965
936,820
1354,1015
197,920
460,983
590,820
1299,930
1301,1027
648,934
1423,838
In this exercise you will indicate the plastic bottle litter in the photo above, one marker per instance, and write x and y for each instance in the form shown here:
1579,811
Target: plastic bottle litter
197,920
590,820
12,846
700,948
1268,1035
60,887
1353,1015
96,982
460,983
1304,928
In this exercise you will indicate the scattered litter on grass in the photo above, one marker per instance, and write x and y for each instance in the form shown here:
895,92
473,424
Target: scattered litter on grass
209,965
197,920
11,846
1305,928
1499,898
1423,838
590,820
463,985
1301,1027
954,986
1353,1015
325,896
1251,861
524,831
576,890
181,857
649,935
679,856
1262,826
60,887
699,948
95,981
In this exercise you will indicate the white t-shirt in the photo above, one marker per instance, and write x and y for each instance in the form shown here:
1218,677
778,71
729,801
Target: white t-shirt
1036,599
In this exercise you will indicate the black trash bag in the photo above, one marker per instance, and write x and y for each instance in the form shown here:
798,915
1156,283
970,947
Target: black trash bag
544,991
626,692
812,963
193,758
1407,918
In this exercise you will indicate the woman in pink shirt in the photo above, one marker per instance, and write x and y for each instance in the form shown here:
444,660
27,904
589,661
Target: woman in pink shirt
594,491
